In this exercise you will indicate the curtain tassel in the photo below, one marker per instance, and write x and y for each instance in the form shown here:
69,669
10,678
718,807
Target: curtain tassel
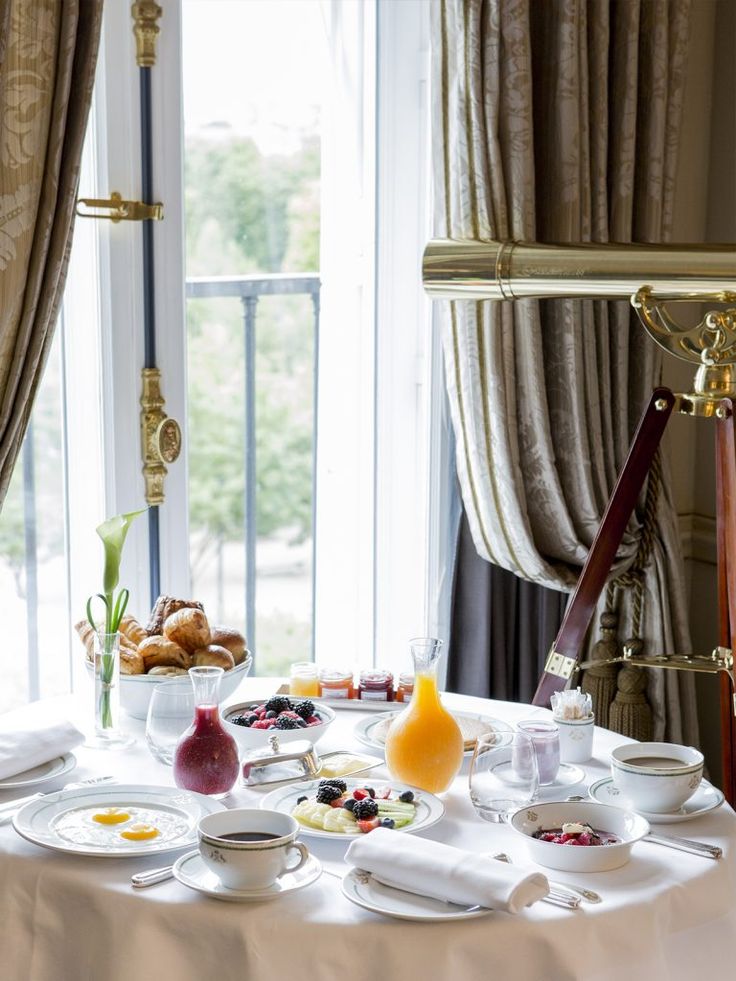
600,681
631,713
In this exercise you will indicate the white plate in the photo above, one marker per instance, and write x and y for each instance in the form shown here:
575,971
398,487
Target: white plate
63,821
41,773
362,729
429,808
191,871
567,776
706,798
365,890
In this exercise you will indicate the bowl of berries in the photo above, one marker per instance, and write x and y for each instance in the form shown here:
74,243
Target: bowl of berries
251,723
579,836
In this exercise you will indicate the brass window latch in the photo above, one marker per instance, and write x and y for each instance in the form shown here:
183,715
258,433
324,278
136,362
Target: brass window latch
116,209
160,436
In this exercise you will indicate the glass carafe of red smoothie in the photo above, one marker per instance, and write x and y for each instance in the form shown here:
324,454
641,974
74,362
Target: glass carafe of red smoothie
206,757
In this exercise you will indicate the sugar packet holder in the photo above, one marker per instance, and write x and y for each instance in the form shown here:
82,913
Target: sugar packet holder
573,714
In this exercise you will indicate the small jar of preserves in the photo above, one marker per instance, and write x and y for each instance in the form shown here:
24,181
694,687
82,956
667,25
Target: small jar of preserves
405,687
304,680
336,683
376,685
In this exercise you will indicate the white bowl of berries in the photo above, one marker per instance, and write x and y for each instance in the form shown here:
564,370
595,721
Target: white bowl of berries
251,723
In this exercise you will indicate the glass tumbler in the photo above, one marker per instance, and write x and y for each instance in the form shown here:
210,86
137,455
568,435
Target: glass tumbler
170,712
503,773
546,738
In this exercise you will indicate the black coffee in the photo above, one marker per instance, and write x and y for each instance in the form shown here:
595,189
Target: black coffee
249,836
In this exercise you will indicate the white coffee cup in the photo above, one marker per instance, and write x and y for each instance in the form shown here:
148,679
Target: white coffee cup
258,858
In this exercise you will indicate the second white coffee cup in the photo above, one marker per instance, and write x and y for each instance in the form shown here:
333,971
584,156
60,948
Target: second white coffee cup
250,848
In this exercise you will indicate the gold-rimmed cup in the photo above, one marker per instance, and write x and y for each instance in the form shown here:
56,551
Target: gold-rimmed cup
250,848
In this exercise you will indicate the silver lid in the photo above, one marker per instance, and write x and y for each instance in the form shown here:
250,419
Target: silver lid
296,761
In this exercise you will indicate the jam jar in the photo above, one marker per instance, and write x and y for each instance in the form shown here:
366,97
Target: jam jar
336,683
376,685
405,686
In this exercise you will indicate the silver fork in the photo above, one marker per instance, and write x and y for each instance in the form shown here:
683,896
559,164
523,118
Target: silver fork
587,894
9,810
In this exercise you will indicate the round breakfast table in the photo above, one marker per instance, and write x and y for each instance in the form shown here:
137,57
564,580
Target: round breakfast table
665,915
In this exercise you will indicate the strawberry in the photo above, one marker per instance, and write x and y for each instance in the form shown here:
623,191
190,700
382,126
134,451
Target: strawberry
360,794
368,824
384,795
338,802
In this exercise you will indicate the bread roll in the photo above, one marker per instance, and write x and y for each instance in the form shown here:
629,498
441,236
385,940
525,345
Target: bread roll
213,655
166,672
189,629
231,640
159,652
165,606
87,635
132,630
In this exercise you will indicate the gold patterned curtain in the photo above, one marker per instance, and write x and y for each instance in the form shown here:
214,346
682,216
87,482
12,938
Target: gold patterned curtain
559,121
48,52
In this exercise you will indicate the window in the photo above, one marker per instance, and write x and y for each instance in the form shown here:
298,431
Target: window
312,504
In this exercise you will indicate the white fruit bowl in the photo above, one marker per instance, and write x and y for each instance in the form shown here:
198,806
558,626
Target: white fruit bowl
626,825
136,689
249,739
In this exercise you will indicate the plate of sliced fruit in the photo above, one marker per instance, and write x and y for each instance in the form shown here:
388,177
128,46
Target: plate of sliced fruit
345,808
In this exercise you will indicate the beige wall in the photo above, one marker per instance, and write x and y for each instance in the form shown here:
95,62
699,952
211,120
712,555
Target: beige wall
705,210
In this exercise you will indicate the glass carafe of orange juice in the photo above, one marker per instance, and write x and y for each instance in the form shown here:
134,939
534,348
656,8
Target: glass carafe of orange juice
424,746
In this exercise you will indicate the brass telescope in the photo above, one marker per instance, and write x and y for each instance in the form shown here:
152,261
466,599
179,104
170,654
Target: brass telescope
473,270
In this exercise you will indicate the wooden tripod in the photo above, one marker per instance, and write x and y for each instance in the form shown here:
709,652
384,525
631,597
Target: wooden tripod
563,659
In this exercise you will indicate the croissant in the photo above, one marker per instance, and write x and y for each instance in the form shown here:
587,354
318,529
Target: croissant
132,630
160,652
231,640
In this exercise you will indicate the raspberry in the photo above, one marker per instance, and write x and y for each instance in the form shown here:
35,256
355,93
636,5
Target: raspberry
313,720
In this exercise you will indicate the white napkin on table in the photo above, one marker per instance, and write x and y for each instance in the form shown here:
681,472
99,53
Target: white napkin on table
430,868
24,743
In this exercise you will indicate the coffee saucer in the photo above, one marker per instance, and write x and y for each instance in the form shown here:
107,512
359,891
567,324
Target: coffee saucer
706,798
191,871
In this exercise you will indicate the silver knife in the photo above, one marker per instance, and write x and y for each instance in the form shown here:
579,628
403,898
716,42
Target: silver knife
685,845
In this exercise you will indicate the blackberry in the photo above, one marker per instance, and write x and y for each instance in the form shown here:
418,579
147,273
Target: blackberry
328,793
241,720
284,722
279,703
336,782
365,809
407,797
305,709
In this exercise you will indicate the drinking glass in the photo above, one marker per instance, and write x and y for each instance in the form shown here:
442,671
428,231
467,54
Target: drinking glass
546,738
169,714
503,773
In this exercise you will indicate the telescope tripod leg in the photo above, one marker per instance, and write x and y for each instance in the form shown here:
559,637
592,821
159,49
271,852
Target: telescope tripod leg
726,540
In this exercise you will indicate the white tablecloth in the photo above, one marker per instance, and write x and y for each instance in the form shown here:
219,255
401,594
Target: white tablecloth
666,915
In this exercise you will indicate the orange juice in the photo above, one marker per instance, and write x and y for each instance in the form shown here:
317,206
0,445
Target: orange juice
304,680
424,746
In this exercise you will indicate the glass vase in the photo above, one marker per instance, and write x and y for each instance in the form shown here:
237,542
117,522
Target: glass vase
206,756
108,734
424,746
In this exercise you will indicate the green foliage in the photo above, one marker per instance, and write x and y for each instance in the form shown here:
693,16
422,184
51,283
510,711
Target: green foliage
247,214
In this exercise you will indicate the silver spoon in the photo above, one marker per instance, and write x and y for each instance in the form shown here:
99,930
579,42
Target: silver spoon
588,895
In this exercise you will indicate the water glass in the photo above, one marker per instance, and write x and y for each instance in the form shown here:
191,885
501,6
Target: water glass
170,713
503,773
546,738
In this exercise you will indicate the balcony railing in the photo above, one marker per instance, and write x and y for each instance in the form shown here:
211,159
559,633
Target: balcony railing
249,290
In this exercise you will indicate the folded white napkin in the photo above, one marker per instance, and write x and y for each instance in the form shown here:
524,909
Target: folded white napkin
429,868
24,743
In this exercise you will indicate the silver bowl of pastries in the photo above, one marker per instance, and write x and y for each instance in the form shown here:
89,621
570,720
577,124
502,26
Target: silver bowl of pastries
177,637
